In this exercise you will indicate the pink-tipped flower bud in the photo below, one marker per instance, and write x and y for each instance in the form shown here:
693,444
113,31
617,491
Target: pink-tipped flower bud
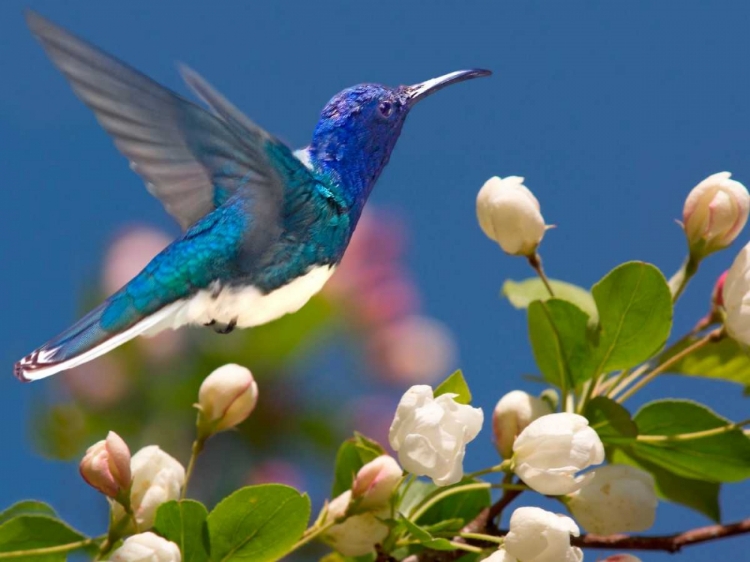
715,212
376,481
226,398
106,466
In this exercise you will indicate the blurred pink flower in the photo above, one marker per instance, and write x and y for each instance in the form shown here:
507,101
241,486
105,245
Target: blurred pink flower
99,383
415,349
277,471
380,299
127,256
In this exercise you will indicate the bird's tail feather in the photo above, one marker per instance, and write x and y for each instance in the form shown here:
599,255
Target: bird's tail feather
84,341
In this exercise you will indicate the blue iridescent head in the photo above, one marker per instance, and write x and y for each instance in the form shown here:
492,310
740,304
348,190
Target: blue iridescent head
359,127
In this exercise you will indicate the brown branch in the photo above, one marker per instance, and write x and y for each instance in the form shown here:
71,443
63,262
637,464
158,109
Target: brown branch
669,543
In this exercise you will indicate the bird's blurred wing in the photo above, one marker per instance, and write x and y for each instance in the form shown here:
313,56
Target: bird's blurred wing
191,159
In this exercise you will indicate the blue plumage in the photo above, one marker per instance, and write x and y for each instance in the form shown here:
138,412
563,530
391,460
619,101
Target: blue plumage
264,227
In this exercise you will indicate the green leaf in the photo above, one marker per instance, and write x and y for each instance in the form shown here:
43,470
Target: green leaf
353,454
635,316
558,334
724,359
463,506
723,457
425,538
32,532
611,421
257,523
522,293
183,523
695,494
455,384
27,507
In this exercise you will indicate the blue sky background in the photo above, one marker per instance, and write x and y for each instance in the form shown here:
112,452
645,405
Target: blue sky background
612,112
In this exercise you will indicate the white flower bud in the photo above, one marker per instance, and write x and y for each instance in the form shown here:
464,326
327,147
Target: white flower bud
715,212
509,214
512,414
622,558
736,296
376,481
226,398
157,478
356,535
106,466
147,547
537,535
617,499
550,452
430,434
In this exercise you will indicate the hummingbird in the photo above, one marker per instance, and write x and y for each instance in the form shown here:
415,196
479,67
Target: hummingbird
264,227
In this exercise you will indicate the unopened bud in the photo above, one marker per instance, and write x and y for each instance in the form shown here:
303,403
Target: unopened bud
376,481
513,413
106,466
715,212
226,398
509,214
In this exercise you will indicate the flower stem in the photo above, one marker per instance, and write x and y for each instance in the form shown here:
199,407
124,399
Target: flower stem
57,549
482,537
535,261
198,445
695,434
502,467
680,280
310,534
435,497
714,335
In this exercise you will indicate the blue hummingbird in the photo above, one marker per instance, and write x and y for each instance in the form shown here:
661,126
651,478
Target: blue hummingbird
263,227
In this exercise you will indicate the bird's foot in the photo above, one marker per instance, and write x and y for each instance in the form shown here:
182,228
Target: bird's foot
227,328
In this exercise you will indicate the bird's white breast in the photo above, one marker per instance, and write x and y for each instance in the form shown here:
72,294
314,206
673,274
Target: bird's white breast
248,305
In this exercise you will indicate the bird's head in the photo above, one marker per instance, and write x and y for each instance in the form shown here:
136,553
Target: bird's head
359,127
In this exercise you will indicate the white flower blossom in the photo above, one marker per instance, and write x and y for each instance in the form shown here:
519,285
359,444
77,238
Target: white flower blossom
509,214
430,434
617,499
537,535
157,478
227,397
513,413
622,558
358,534
715,212
500,556
553,449
146,547
736,297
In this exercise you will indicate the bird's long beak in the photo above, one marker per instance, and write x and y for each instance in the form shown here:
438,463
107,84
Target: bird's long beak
423,89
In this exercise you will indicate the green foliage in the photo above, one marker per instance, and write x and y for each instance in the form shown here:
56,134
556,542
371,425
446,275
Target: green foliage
424,537
257,523
721,457
724,359
695,494
27,507
461,507
455,384
557,330
353,454
522,293
635,316
184,523
34,532
611,421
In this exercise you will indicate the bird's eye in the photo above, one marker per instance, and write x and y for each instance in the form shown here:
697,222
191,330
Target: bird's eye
385,108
